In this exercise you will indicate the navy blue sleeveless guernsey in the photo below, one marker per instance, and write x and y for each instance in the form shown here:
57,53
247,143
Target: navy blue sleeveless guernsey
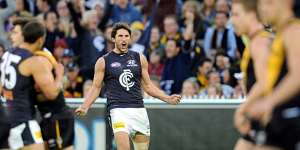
2,114
122,80
17,89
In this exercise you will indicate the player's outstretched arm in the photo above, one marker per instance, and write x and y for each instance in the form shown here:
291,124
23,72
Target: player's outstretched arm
95,89
151,89
41,70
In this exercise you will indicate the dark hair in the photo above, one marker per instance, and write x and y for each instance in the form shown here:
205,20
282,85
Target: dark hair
47,1
21,21
249,5
223,12
178,44
213,72
32,31
47,13
174,17
221,53
204,60
118,26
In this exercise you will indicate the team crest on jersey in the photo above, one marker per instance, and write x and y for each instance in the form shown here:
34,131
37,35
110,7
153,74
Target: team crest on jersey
115,64
131,63
125,79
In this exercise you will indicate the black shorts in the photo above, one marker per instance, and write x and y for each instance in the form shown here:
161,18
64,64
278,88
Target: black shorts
254,135
283,130
4,132
58,133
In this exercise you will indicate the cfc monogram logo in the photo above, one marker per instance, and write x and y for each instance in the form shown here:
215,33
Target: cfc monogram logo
125,79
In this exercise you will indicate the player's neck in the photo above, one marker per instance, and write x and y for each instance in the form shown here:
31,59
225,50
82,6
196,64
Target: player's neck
28,47
255,27
117,51
283,20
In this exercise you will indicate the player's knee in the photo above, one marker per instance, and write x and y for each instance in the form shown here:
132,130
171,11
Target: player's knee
34,146
140,146
123,146
140,141
243,145
266,148
69,148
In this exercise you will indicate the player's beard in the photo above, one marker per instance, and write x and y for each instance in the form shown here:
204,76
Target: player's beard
122,47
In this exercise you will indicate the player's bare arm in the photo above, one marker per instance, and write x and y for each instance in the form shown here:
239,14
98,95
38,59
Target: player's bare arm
95,89
290,85
151,89
41,70
259,52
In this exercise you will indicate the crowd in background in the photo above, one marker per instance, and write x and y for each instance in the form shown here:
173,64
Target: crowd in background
190,45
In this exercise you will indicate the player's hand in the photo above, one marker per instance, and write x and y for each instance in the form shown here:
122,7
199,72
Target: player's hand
241,122
262,111
174,99
59,70
81,111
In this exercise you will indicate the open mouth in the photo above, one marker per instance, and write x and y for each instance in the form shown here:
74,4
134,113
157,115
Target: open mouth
124,44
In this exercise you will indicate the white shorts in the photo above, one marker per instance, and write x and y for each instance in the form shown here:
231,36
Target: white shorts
130,120
24,134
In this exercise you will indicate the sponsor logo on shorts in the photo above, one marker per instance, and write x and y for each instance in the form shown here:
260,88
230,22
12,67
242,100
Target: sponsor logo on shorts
38,135
118,125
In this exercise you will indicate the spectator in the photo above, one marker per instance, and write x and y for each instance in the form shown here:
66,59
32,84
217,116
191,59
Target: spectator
63,10
53,33
59,47
215,80
68,57
4,14
154,44
65,20
193,31
190,87
223,5
155,64
220,38
109,45
192,21
221,63
208,13
177,68
204,68
75,82
90,41
97,5
43,6
214,91
136,33
239,89
22,6
124,11
171,29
